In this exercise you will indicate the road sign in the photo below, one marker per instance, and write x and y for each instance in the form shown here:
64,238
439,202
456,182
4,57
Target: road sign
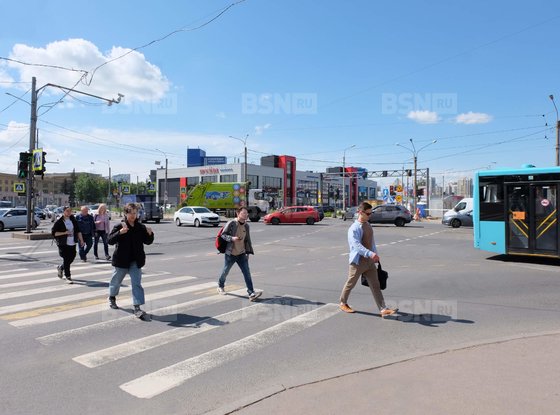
398,198
19,187
399,188
126,189
385,192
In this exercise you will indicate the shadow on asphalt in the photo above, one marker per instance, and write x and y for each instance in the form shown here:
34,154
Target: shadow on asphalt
429,320
526,259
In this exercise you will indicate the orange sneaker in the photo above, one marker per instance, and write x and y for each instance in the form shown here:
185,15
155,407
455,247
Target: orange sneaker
388,312
346,308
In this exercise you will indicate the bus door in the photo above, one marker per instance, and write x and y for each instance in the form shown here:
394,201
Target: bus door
532,212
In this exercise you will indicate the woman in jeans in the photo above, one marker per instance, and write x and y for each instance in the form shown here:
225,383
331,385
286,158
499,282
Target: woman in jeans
102,228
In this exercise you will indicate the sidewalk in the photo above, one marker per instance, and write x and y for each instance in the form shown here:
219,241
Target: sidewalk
519,376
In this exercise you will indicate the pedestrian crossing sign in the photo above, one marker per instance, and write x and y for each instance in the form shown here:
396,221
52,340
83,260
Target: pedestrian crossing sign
19,187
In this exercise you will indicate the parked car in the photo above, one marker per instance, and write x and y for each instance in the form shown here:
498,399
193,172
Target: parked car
11,218
396,214
350,213
196,215
40,213
457,219
293,214
56,213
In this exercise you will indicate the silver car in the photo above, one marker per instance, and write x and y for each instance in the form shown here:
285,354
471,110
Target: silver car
395,214
16,218
457,219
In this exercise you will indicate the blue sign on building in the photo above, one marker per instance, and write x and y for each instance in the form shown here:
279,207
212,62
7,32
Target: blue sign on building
214,160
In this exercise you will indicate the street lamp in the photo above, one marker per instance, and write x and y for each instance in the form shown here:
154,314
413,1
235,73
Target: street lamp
344,178
108,163
415,155
244,141
557,131
165,181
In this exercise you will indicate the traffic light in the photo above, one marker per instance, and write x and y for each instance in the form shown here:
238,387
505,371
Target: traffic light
409,172
364,175
39,162
384,173
23,165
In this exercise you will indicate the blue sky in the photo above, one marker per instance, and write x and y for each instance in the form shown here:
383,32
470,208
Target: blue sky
304,78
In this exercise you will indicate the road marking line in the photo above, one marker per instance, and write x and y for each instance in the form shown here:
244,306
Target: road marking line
23,293
95,293
47,270
17,247
155,383
123,350
11,270
61,336
42,318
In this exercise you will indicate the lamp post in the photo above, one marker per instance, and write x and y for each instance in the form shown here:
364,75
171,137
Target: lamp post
344,179
244,141
415,155
165,180
557,131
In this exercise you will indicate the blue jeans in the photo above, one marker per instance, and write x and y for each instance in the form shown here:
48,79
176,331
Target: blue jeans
135,280
88,239
103,236
243,262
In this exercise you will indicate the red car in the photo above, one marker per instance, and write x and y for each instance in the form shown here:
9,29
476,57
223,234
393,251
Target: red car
293,214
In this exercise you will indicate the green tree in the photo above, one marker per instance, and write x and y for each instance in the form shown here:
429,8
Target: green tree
89,188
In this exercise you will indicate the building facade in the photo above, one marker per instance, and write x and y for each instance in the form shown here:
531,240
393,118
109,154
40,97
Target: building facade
282,184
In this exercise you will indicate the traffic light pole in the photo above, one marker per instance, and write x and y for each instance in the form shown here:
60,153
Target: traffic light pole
32,135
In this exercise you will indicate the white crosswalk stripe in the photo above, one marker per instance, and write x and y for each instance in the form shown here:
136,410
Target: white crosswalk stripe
155,383
92,294
67,316
111,354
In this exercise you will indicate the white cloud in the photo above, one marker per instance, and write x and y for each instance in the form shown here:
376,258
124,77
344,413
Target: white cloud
221,115
423,117
259,129
473,118
131,75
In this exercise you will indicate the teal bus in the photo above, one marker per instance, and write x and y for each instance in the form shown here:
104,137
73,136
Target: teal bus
516,211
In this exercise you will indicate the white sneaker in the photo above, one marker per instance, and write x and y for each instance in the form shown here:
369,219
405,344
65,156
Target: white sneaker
254,295
221,291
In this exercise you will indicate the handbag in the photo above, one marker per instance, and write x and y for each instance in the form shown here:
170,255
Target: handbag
382,276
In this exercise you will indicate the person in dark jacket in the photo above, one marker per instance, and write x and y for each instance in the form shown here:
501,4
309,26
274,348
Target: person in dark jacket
129,238
236,233
66,232
87,229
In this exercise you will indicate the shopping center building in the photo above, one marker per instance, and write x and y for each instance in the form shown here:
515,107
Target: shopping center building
282,184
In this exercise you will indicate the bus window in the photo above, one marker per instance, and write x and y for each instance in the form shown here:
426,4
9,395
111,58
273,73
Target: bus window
491,195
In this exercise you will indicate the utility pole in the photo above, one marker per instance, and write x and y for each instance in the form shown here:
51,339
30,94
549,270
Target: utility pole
415,155
32,134
557,131
244,141
344,179
165,195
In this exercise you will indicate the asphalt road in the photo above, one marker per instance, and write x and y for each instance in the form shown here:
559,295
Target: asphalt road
64,352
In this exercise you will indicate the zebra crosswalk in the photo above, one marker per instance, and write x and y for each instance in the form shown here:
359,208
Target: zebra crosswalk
76,317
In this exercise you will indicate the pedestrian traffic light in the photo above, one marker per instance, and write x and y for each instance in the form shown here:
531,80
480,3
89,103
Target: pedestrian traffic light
39,162
23,165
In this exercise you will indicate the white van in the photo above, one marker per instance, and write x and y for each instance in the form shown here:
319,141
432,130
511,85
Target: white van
461,214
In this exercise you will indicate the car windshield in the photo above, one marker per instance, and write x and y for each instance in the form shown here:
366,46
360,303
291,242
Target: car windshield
3,212
202,210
